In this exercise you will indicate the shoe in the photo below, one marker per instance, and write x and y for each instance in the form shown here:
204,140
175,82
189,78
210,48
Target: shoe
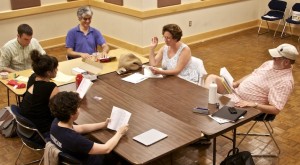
203,141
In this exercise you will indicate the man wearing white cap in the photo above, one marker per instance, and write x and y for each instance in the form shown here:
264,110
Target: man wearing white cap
268,87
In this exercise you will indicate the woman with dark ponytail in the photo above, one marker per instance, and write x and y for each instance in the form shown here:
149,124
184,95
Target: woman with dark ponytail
39,91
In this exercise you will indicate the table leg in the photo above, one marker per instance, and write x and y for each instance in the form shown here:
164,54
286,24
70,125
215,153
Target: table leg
214,150
8,97
234,140
18,98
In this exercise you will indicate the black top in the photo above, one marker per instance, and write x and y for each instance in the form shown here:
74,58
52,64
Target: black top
71,142
35,106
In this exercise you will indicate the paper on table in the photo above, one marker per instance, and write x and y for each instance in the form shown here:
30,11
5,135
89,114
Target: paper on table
22,78
61,77
148,73
220,120
149,137
84,87
118,118
135,78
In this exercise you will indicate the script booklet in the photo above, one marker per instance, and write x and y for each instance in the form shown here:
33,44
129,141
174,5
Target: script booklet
84,86
118,118
149,137
148,73
227,80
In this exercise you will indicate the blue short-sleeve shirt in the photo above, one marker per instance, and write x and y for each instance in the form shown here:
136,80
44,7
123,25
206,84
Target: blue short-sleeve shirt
84,43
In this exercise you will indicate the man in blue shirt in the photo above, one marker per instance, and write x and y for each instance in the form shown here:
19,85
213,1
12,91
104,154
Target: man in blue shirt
82,40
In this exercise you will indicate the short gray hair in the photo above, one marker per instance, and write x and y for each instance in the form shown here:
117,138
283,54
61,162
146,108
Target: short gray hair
84,11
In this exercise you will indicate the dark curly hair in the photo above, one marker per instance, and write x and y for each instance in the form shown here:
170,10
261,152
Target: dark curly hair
64,104
41,64
175,31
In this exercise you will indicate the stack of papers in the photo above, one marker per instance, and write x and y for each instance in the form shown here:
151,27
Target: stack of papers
135,78
61,77
149,137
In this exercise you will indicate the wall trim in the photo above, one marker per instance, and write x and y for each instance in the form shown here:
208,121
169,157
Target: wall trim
158,11
189,40
41,9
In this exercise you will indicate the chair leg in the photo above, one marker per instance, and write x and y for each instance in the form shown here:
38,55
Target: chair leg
276,29
246,134
282,33
258,32
19,154
270,133
34,161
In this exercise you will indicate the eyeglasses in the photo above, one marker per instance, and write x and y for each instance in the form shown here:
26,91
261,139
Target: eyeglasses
167,37
85,19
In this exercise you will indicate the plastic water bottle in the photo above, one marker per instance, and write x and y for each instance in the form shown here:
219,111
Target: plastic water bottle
212,96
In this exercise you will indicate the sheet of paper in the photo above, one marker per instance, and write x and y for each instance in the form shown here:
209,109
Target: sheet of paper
61,77
148,73
22,78
135,78
220,120
118,118
84,87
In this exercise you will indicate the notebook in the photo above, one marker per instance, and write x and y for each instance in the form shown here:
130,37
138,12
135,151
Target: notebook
149,137
225,114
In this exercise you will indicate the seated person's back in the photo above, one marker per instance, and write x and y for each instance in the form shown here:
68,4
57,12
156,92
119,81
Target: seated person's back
34,105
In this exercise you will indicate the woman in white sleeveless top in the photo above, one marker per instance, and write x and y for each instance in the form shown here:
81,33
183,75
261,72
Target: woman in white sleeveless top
174,57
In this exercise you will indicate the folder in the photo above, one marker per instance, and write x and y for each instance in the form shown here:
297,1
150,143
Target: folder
224,113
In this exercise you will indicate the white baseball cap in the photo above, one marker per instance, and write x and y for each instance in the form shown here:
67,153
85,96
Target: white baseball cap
284,50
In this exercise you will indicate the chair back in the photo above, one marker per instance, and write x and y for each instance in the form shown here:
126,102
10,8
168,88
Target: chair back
296,7
66,159
199,67
277,5
26,130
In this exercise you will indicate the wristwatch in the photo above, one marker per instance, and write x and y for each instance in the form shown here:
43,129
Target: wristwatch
256,104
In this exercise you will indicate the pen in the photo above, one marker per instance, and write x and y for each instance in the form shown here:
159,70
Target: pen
201,108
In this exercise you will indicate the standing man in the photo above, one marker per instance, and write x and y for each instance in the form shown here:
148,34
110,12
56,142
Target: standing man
82,40
15,54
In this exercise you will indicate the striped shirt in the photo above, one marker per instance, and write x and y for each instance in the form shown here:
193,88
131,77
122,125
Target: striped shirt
17,57
266,85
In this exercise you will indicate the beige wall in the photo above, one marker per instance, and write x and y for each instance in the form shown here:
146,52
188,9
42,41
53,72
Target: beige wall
134,32
139,32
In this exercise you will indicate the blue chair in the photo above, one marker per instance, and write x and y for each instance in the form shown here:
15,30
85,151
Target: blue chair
292,19
26,130
276,13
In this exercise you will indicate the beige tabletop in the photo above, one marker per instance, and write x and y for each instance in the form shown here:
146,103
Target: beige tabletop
65,67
